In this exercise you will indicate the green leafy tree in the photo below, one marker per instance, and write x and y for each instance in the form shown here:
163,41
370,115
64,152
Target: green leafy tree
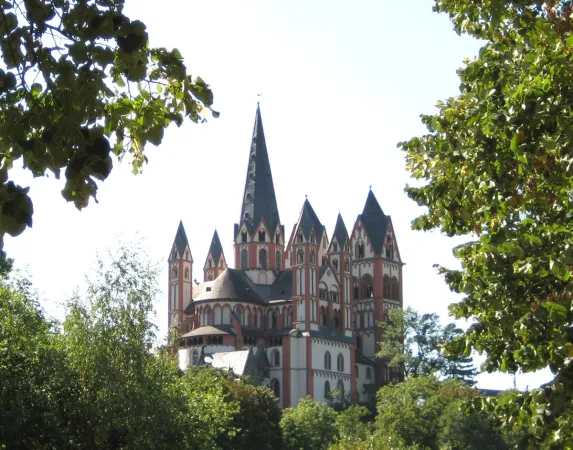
497,164
422,412
414,342
354,428
79,83
309,426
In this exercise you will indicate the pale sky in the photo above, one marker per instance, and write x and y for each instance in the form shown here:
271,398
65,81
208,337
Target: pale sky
341,81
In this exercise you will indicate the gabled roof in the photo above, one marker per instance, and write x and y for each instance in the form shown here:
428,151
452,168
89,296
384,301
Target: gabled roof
259,200
309,220
216,249
180,242
375,222
232,284
361,359
210,331
340,232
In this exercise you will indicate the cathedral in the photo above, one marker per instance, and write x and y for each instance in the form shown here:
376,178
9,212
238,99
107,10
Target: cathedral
298,312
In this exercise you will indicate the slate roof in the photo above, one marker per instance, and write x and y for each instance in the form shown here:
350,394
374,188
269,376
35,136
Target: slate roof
340,232
259,200
281,289
361,359
309,220
235,361
232,284
216,249
375,222
261,358
180,242
210,331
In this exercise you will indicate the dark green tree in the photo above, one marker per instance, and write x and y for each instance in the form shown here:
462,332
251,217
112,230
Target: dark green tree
422,412
415,343
78,83
496,163
457,366
310,426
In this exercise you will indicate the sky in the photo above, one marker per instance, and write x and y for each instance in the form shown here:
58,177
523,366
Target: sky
341,84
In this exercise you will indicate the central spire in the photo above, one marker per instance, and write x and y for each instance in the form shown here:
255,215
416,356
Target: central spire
259,201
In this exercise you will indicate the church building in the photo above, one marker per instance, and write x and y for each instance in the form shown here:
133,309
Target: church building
299,311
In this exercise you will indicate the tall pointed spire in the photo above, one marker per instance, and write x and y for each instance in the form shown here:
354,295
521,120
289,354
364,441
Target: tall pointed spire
340,232
259,201
309,220
180,243
375,222
216,249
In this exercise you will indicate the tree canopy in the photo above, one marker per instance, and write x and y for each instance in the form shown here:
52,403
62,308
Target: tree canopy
414,343
497,164
78,83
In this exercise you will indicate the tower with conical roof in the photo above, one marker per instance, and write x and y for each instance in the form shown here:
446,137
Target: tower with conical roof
259,235
180,264
215,263
378,286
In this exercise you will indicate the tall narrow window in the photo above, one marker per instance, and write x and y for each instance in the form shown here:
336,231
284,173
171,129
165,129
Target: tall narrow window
263,258
334,247
244,237
278,238
340,363
244,258
278,260
327,361
174,272
326,389
262,236
186,273
312,257
299,237
300,257
335,264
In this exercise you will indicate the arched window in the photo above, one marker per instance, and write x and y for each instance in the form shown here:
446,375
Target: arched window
274,318
326,389
263,258
262,236
226,315
195,357
174,272
210,263
246,317
327,361
334,246
238,313
207,316
395,288
358,343
312,257
387,287
370,319
361,319
359,250
278,238
334,295
275,358
244,237
217,312
335,263
299,236
276,388
340,389
278,259
356,370
340,363
300,257
367,290
186,273
312,237
389,248
347,264
356,290
368,374
336,319
244,258
323,317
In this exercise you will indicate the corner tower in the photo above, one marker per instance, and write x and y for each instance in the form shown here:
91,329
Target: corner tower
259,235
180,269
215,262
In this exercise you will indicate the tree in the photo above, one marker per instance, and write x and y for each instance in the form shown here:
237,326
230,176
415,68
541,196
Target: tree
422,412
496,165
309,426
78,83
415,341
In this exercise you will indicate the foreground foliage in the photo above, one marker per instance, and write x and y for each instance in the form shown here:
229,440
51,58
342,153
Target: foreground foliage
497,163
78,83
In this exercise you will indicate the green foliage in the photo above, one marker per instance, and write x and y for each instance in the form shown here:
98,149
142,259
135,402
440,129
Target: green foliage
78,83
497,163
309,426
96,383
354,429
415,341
424,413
